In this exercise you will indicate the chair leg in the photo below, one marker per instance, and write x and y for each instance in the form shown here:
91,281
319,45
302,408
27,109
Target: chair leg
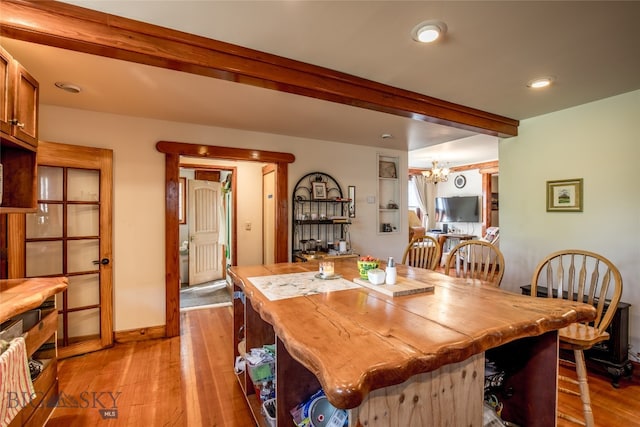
581,370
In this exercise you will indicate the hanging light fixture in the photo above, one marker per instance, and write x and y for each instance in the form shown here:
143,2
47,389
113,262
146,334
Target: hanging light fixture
436,174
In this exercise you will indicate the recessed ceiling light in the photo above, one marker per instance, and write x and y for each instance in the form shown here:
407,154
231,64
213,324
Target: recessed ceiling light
428,31
68,87
540,83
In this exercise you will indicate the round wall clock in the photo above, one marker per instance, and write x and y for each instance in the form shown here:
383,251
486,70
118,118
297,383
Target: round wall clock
460,181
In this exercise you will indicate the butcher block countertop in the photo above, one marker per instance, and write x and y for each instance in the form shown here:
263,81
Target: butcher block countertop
358,340
20,295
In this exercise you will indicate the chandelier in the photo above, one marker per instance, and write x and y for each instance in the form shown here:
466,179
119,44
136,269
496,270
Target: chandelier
436,174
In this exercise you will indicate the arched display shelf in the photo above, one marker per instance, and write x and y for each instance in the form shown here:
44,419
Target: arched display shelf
320,219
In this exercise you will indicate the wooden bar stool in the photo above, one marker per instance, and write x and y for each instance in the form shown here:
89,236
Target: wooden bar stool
590,278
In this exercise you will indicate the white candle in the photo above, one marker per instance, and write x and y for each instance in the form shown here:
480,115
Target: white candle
326,268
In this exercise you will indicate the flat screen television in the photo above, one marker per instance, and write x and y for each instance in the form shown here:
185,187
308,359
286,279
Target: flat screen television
458,209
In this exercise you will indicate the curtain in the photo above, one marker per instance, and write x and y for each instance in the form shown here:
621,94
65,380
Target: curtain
426,193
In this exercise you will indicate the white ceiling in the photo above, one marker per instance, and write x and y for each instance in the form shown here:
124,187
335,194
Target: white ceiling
491,50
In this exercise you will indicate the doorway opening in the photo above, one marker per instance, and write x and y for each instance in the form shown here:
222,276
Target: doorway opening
205,295
207,233
173,151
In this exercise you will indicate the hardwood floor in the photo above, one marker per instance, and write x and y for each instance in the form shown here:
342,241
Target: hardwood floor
189,381
180,381
611,407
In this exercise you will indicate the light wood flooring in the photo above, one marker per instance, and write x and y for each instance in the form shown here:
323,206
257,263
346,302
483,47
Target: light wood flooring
180,381
189,381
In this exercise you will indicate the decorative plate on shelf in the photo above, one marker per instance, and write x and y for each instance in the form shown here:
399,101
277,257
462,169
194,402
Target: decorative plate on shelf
460,181
387,170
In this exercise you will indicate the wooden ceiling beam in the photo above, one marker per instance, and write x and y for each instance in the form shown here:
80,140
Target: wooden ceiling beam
483,167
71,27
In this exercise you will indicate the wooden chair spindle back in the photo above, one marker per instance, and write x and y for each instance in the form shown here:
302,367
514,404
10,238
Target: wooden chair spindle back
476,259
581,276
422,252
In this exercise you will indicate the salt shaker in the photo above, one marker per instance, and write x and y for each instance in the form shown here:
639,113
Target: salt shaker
390,272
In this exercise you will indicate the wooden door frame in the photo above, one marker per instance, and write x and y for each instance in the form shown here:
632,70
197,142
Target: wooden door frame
266,170
173,151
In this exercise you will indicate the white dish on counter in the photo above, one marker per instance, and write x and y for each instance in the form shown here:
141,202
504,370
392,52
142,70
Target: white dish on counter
324,277
376,276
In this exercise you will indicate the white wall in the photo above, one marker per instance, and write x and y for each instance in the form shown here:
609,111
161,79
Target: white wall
139,207
599,143
596,141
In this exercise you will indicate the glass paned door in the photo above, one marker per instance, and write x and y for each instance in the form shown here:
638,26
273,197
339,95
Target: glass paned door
70,235
62,239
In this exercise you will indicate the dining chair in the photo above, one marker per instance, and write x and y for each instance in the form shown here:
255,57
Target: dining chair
476,259
588,277
422,252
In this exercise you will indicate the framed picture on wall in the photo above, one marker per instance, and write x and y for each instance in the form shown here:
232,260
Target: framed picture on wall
387,170
564,195
319,190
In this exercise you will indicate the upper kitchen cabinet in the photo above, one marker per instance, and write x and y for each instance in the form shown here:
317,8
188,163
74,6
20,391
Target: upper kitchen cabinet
19,93
19,103
6,95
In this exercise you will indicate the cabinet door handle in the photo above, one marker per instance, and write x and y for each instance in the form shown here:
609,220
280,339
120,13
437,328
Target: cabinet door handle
15,122
103,261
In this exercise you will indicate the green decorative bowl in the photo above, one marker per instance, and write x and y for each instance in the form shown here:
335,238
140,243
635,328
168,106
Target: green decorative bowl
364,266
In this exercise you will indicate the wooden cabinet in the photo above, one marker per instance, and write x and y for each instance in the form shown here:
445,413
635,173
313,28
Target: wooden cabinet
249,331
6,94
19,99
20,95
389,199
18,296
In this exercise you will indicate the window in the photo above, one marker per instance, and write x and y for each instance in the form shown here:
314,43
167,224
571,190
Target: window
413,200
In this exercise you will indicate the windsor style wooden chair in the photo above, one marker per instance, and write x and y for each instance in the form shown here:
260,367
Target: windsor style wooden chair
590,278
476,259
422,252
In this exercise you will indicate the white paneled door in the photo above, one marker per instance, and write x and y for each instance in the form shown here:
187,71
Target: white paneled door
70,235
205,224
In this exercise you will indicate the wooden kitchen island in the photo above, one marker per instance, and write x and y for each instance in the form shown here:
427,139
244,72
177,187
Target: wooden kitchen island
415,360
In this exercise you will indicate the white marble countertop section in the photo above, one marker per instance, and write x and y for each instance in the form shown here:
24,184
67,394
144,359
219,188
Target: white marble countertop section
281,286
